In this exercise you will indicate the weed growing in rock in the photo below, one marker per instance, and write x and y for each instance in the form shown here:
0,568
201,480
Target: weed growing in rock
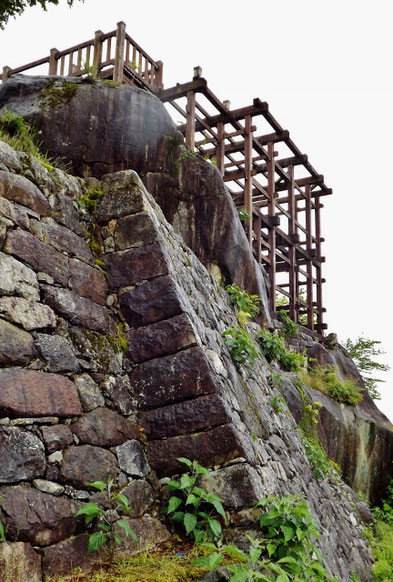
325,380
108,523
321,466
242,347
90,198
277,403
273,347
244,302
2,532
243,214
385,511
192,507
289,327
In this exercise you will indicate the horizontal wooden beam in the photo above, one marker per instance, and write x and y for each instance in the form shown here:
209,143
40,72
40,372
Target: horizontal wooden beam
181,90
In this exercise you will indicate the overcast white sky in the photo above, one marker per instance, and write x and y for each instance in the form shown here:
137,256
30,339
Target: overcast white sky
325,68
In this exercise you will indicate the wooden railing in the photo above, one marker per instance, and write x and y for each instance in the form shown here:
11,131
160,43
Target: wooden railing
112,55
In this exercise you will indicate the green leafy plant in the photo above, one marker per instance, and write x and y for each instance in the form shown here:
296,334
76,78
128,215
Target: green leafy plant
384,512
243,214
277,403
364,351
321,466
289,328
106,524
290,532
2,532
242,347
273,347
325,380
14,7
245,304
192,507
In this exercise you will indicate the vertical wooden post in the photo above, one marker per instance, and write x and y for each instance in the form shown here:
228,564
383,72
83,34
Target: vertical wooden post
292,248
272,228
5,74
118,70
310,307
248,177
190,124
53,61
97,58
158,76
220,151
317,205
257,226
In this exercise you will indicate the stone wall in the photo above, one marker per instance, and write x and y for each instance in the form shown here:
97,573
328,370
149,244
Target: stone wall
75,408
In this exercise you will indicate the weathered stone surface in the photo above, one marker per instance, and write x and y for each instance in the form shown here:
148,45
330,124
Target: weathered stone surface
118,389
17,279
135,231
57,352
28,393
140,496
153,301
88,463
48,486
29,314
36,517
209,448
132,459
16,346
22,455
63,558
14,212
238,486
123,195
161,339
19,189
121,126
149,531
9,157
134,265
5,225
19,563
186,374
37,254
185,417
65,213
89,393
63,239
104,428
78,310
56,437
88,281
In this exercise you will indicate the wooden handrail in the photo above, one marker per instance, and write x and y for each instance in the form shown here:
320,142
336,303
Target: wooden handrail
143,70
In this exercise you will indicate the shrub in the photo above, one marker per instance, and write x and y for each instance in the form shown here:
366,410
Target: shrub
192,507
325,380
242,347
363,351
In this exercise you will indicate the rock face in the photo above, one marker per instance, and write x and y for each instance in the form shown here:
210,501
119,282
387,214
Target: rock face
132,372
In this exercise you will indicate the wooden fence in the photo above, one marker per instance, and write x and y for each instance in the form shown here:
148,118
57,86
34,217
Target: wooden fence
114,55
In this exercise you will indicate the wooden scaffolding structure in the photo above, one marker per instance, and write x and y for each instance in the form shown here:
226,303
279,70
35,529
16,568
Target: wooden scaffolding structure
274,186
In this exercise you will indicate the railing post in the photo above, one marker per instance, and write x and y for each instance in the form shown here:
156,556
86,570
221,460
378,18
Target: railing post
5,74
97,58
157,83
118,71
53,61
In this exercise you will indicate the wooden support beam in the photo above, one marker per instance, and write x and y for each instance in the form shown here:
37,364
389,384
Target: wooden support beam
180,90
190,125
220,150
248,176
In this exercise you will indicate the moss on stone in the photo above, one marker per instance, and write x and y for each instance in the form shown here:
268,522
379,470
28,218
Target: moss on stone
57,93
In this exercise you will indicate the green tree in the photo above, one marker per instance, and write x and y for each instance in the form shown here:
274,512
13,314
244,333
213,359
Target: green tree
14,7
363,351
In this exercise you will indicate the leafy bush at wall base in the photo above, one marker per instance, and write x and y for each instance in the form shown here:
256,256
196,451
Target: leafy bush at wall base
192,508
105,522
242,347
325,380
